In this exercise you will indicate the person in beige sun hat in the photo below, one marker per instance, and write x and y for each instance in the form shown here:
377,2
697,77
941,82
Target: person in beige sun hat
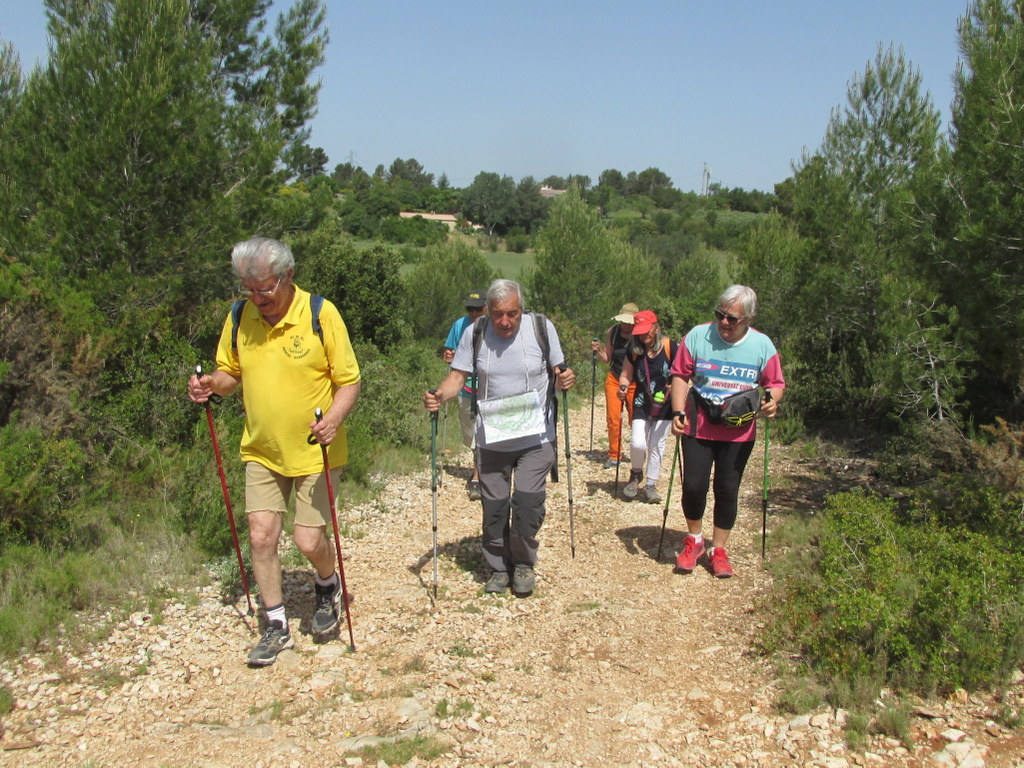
612,351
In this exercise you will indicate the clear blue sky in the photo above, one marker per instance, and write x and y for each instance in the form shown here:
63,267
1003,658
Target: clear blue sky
554,87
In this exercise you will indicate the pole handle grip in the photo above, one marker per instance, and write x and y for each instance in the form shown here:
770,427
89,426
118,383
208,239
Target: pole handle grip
318,415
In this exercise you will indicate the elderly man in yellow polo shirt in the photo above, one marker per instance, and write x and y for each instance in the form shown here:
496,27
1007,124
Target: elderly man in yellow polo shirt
290,366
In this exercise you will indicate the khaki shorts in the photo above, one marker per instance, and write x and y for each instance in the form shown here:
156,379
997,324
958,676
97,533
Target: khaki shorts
266,490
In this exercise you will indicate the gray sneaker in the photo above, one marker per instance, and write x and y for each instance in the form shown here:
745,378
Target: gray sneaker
328,608
636,476
275,639
651,495
497,583
523,580
611,464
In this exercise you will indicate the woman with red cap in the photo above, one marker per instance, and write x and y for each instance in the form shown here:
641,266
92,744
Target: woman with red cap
648,362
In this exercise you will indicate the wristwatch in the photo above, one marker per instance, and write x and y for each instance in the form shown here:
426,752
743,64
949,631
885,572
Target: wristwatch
681,414
623,387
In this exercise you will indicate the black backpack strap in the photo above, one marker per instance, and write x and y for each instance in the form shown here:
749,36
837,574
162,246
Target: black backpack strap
478,334
316,302
237,308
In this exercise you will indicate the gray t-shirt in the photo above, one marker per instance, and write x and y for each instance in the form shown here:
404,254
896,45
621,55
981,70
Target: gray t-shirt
509,367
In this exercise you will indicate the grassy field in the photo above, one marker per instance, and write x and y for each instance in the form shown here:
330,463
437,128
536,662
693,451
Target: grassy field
507,264
510,265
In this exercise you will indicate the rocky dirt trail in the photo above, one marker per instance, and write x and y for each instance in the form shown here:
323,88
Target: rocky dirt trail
614,661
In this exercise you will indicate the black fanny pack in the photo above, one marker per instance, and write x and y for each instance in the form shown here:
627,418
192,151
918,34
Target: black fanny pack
736,410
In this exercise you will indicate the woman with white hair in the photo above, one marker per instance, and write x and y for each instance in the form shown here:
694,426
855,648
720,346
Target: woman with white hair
715,397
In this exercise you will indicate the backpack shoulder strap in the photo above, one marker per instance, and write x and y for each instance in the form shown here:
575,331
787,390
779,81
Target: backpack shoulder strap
478,334
540,328
237,308
316,303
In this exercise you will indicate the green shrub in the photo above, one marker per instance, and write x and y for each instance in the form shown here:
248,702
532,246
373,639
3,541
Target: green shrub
517,240
916,608
195,491
389,413
41,479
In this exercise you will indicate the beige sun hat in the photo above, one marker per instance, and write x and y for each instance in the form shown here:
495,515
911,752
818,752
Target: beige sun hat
626,313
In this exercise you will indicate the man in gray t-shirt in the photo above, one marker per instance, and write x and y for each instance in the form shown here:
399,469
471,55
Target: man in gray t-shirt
515,431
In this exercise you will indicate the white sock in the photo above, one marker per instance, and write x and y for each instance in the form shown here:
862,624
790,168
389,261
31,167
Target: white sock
698,538
278,614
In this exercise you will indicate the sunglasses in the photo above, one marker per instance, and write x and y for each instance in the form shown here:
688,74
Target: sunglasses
727,319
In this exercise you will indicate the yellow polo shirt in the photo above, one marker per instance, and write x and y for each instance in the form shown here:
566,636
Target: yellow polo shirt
287,373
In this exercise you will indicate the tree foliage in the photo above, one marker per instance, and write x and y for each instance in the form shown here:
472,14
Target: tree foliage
584,270
983,275
867,326
491,200
438,284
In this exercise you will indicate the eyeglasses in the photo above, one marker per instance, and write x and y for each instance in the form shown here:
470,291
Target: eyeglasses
243,291
727,319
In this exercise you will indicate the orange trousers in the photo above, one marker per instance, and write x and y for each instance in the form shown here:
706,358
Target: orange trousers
613,408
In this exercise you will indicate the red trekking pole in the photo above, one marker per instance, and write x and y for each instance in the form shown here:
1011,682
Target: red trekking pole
337,535
227,498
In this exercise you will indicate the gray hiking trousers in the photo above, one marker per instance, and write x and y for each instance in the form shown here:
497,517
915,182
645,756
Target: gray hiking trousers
512,518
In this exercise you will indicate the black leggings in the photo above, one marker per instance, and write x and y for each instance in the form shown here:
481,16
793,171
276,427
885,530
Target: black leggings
729,461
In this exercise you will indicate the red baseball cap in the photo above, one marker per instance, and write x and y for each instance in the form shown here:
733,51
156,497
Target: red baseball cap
643,321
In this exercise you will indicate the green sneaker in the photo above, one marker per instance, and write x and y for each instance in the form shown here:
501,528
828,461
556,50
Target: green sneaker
276,638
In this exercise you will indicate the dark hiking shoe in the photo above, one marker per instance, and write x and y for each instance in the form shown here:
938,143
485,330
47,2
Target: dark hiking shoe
473,486
497,583
523,580
633,486
328,608
275,639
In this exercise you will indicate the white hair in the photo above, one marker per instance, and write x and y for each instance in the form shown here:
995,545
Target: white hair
251,258
501,289
744,295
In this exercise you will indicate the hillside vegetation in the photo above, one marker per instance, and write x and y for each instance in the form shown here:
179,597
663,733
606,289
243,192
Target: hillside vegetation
160,132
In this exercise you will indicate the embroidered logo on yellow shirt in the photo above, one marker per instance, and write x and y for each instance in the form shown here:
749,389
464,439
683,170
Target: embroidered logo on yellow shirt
297,351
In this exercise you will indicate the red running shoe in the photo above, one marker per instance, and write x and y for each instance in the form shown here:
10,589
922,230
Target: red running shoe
720,567
692,551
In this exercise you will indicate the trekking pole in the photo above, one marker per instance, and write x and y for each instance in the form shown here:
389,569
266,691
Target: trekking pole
337,534
227,499
593,396
444,444
433,485
568,469
668,497
764,496
618,451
